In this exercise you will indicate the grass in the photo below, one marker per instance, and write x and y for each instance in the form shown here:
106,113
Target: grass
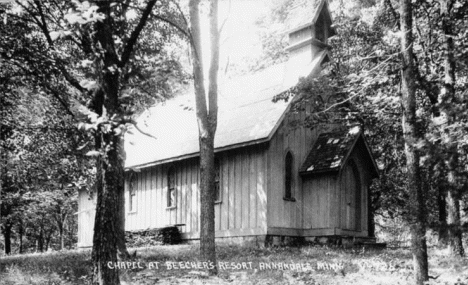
241,265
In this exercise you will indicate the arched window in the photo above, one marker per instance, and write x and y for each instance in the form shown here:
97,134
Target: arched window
288,176
132,192
171,188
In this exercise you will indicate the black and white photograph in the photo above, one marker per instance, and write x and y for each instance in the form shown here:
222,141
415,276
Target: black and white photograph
309,142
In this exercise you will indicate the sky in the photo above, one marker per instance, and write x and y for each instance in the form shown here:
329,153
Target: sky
239,37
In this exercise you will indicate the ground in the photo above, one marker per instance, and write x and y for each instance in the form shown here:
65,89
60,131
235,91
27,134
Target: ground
238,265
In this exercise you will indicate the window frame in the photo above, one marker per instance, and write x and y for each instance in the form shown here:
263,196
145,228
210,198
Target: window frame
217,182
288,194
171,202
132,185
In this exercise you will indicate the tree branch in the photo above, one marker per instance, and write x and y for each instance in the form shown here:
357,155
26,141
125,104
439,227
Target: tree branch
136,33
44,27
59,98
72,80
173,24
134,124
226,19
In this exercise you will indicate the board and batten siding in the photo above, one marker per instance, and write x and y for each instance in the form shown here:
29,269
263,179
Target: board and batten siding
86,214
286,217
241,210
320,202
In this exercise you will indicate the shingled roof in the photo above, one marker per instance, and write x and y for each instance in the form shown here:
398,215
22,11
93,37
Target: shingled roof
246,116
330,151
300,14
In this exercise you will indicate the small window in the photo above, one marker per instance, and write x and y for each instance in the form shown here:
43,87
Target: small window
171,188
217,166
132,193
321,31
288,176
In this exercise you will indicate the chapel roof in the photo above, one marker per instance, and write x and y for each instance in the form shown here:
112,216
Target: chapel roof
331,149
246,115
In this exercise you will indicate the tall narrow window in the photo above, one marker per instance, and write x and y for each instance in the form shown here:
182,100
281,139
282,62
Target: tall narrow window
217,179
171,188
288,175
132,193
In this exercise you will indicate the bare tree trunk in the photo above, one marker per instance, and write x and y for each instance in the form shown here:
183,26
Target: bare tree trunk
449,102
120,198
417,212
7,237
105,242
442,206
62,240
454,233
207,123
20,236
40,241
207,213
48,239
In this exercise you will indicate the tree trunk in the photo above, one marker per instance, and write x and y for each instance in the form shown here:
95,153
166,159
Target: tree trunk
120,198
109,230
20,236
449,102
47,240
7,238
62,240
455,240
108,208
417,212
40,241
207,123
442,226
105,236
207,199
110,188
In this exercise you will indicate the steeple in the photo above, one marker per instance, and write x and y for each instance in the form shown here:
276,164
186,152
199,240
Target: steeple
310,25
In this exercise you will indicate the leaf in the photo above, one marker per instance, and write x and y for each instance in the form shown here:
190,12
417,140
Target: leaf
74,18
82,147
55,35
88,84
93,153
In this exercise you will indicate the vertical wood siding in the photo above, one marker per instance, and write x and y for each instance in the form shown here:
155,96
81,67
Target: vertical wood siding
86,214
252,191
294,137
242,186
318,200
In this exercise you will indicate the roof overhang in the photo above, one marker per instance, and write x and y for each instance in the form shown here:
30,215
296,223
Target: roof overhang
196,154
337,165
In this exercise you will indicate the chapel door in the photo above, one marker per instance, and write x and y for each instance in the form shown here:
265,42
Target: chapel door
351,194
